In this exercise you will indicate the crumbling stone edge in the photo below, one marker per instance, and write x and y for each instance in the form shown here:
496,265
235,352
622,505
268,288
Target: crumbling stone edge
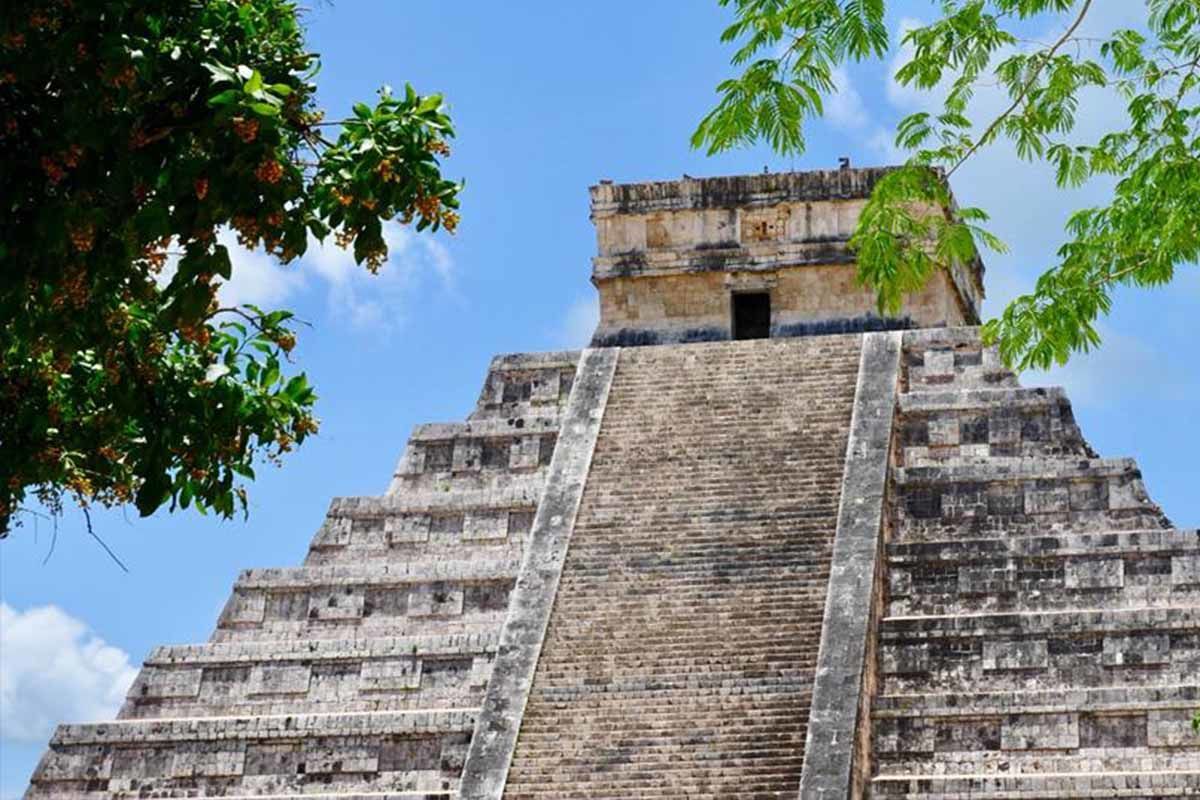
837,748
485,770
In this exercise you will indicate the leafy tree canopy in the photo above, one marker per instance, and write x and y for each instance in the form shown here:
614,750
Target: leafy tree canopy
788,50
131,133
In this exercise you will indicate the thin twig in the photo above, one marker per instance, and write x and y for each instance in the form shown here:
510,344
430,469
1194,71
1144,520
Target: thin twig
53,541
88,517
1087,4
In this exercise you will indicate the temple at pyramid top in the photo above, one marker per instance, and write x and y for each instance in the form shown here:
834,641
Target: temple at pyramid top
749,256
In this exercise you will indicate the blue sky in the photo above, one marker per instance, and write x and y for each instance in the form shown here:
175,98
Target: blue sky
548,99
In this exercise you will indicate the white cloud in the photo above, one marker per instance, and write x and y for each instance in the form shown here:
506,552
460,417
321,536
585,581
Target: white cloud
354,295
904,97
377,301
257,277
53,669
580,322
844,107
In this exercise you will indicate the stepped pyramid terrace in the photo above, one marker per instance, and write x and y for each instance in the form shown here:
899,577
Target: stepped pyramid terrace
755,542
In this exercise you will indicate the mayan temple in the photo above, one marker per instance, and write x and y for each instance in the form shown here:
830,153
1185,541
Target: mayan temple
756,542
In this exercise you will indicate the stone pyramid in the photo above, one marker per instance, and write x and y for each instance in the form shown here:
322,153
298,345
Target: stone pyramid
756,542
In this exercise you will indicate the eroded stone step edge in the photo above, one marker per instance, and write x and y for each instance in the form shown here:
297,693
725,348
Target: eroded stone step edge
320,650
1151,541
974,399
1016,468
540,422
1068,622
510,498
168,793
1047,786
388,573
278,726
1114,699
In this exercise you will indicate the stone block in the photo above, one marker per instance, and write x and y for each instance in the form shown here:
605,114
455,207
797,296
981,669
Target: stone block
545,387
334,532
468,455
1185,570
939,366
1171,727
245,607
903,659
173,683
525,452
943,431
335,604
1040,732
435,600
985,579
1046,497
1106,573
279,679
390,675
340,758
1015,655
1089,495
1004,427
485,526
206,761
407,528
1132,651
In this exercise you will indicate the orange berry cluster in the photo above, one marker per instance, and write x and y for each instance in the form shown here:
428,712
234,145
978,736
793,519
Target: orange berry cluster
246,129
269,171
201,187
83,236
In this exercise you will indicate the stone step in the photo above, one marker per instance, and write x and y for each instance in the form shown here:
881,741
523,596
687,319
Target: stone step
1038,731
1049,751
296,754
1120,569
1126,784
515,443
402,599
414,535
520,382
1097,648
974,425
1112,700
312,677
1014,497
943,358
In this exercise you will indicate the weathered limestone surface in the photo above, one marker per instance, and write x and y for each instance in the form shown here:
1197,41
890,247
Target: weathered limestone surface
1042,631
864,564
361,673
671,253
680,654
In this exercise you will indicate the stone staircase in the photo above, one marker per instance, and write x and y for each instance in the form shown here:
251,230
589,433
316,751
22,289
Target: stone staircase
359,674
1041,637
679,657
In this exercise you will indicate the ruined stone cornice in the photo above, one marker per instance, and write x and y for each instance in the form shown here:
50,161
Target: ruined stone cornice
735,191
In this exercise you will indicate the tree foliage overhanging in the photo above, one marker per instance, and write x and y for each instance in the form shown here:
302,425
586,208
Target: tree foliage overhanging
1150,227
133,132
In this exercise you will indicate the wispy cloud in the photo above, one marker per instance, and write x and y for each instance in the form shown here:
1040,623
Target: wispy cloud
579,323
844,107
355,296
52,669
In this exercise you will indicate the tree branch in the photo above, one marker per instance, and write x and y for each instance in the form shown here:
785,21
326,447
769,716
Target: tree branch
1087,4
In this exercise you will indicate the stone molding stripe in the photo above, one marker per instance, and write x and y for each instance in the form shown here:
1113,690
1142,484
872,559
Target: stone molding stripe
486,768
840,694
